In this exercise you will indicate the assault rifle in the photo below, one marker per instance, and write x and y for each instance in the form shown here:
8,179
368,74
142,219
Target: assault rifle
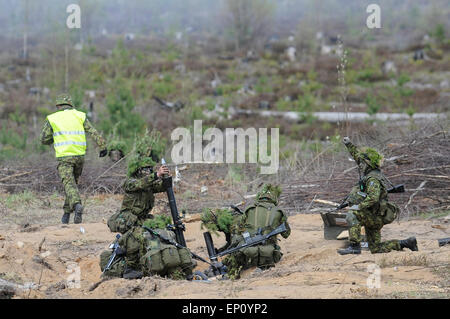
115,246
393,190
248,241
444,241
178,226
396,189
237,209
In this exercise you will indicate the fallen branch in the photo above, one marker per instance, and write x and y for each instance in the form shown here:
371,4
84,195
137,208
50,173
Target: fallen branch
15,175
415,193
327,202
429,176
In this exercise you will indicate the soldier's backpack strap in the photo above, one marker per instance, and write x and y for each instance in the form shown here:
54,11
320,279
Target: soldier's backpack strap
376,173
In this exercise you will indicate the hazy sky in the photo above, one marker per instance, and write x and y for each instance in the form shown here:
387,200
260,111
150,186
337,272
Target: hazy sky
145,16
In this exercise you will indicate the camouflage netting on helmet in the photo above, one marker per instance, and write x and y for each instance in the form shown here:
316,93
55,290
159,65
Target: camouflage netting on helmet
147,152
63,99
158,222
150,145
371,156
117,145
135,162
270,192
217,220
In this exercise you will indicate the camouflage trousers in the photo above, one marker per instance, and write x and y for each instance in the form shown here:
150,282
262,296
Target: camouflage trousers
262,256
69,170
373,223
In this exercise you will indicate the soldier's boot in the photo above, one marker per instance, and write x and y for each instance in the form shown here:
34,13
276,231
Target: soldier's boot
78,214
410,243
131,273
352,249
65,218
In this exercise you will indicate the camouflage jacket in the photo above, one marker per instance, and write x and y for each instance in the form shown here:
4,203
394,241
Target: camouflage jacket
46,136
139,197
372,183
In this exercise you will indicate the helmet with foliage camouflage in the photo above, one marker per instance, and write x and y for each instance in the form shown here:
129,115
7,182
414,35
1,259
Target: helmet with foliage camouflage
147,152
371,157
158,222
218,220
269,192
117,145
135,162
63,99
150,145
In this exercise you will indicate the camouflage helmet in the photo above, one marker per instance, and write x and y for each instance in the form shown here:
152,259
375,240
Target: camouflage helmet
63,99
157,222
218,220
136,162
269,192
371,157
150,145
146,153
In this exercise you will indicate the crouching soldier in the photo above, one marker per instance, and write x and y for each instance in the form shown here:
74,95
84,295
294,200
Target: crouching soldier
143,253
262,217
370,206
139,187
222,220
159,256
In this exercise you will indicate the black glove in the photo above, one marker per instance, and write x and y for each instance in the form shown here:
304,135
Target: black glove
103,153
346,140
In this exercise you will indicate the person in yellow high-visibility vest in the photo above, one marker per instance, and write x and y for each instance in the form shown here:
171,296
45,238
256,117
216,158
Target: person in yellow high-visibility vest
66,129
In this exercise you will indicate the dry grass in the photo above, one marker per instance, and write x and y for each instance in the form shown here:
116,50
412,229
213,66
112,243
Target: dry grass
408,260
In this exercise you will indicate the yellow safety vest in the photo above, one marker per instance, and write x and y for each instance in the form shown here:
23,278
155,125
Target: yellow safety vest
69,138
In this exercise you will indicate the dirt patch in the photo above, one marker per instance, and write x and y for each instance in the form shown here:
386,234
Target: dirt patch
48,258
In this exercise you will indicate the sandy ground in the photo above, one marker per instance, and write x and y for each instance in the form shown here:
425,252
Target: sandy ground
44,261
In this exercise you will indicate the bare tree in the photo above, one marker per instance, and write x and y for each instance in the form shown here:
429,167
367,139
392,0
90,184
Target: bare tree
248,20
25,30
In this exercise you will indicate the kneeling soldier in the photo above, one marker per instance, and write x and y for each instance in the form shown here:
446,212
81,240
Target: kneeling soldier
262,217
373,210
138,201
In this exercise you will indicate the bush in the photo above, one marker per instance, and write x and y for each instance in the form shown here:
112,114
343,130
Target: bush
373,106
439,33
121,119
163,87
402,79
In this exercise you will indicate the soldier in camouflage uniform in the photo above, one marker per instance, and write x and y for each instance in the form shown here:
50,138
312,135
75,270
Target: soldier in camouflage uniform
263,215
139,187
224,220
370,211
66,129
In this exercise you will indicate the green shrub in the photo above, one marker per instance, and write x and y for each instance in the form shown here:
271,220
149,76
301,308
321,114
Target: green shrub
121,118
283,105
439,33
262,85
225,89
410,111
402,79
196,113
368,75
305,103
373,106
13,139
163,87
